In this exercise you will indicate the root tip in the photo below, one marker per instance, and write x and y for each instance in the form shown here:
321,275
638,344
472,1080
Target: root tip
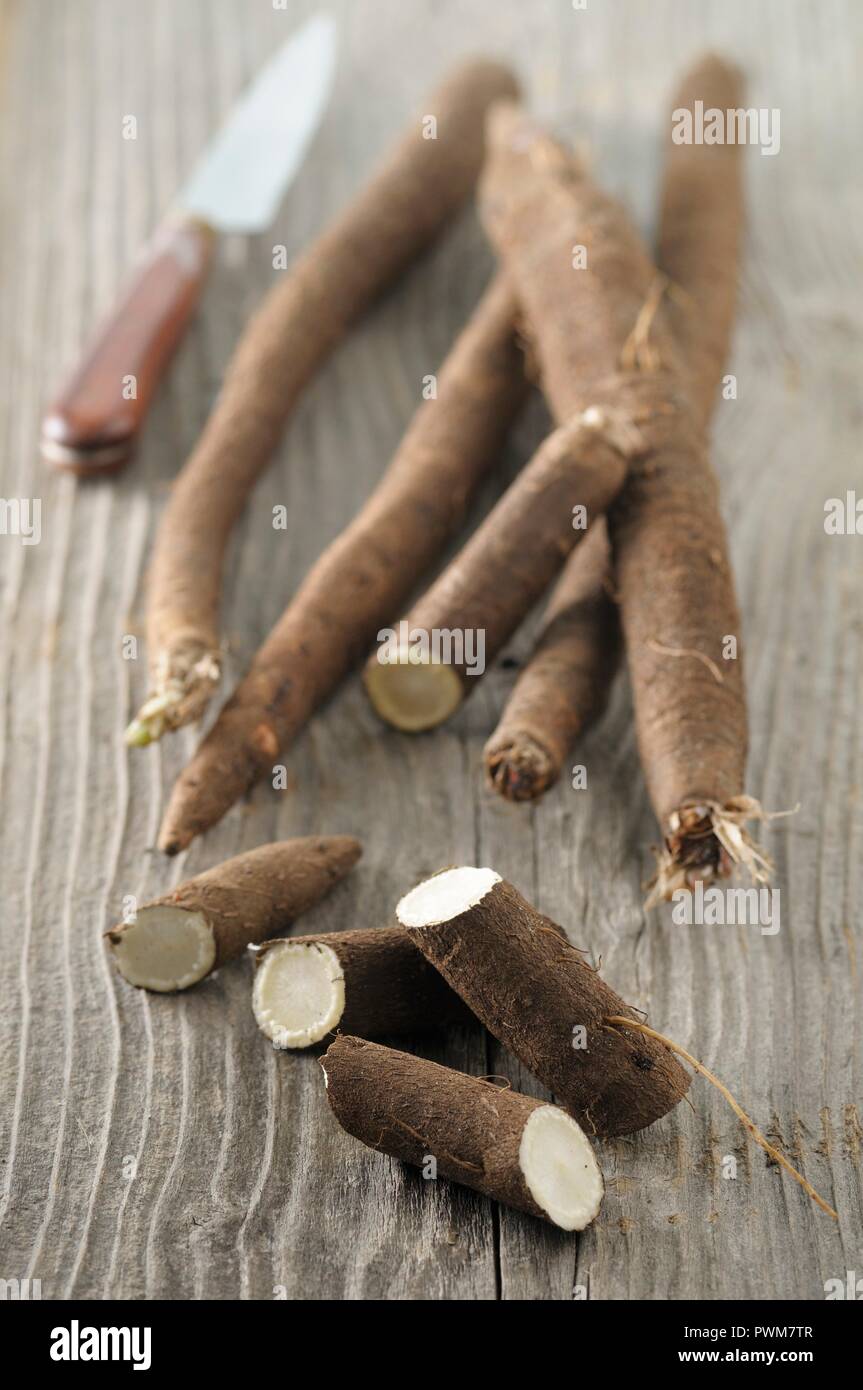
708,841
138,735
520,770
182,687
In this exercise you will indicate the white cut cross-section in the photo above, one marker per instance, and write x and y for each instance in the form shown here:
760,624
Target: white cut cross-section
164,949
414,694
445,896
299,993
560,1168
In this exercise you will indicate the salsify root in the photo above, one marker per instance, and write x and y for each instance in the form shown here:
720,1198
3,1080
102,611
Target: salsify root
670,554
540,208
672,571
519,1151
749,1125
371,983
361,579
177,940
701,232
501,572
534,992
398,213
564,685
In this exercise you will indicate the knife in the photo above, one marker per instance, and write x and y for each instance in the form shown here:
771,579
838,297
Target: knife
92,426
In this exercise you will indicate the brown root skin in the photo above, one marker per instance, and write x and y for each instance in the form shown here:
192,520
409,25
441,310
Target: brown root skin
176,940
517,1150
701,231
670,555
506,565
749,1125
398,213
533,991
564,687
360,581
700,235
565,684
537,205
676,593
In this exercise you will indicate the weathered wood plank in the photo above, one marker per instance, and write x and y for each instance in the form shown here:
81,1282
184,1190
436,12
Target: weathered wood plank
243,1185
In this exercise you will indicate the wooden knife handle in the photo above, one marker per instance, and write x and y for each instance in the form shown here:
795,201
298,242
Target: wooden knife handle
92,426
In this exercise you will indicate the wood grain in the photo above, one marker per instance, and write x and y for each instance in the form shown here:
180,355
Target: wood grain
243,1185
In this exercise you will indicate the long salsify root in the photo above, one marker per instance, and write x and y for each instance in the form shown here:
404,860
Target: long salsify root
366,573
672,576
395,216
564,687
608,372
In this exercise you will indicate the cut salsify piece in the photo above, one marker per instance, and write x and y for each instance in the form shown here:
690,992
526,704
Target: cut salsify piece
517,1150
537,995
178,939
371,982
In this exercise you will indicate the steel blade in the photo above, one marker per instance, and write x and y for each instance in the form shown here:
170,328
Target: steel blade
240,180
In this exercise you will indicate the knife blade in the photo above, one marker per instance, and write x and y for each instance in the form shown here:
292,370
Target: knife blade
236,187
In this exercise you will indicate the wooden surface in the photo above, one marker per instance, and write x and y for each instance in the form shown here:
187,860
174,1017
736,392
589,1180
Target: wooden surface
243,1185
